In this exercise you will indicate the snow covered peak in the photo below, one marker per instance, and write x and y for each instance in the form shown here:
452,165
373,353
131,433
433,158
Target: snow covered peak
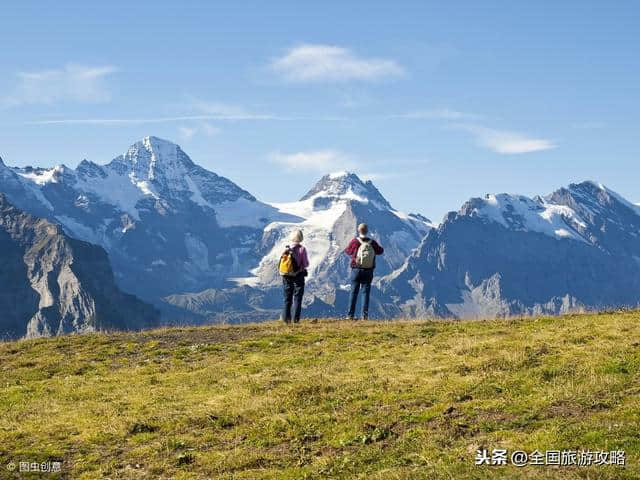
161,150
592,198
157,147
578,211
337,175
521,213
154,159
157,167
347,186
42,176
588,188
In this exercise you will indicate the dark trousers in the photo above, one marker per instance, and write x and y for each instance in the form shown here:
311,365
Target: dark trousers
293,292
361,278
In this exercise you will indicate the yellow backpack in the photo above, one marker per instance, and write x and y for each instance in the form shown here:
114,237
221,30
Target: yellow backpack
288,265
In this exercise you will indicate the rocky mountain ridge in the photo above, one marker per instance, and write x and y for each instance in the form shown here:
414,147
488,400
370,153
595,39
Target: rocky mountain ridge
51,284
577,248
204,249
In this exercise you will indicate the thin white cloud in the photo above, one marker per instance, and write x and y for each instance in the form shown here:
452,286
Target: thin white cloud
308,63
438,114
142,120
187,132
75,83
195,110
589,125
206,129
222,109
506,142
209,130
318,160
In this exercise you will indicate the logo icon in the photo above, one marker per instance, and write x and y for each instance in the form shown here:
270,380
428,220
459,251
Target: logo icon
11,466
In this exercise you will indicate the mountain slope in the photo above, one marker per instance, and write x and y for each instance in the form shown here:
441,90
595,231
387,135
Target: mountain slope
507,254
328,215
203,249
168,224
331,210
51,284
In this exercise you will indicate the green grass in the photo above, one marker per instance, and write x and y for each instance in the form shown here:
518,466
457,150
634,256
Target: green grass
401,400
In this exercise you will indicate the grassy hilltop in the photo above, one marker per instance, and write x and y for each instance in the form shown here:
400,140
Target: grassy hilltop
325,400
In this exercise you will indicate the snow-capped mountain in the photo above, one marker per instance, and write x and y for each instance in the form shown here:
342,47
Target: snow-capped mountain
168,224
328,215
578,247
202,248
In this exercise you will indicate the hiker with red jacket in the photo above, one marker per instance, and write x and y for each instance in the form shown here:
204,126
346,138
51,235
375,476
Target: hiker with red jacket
363,251
293,268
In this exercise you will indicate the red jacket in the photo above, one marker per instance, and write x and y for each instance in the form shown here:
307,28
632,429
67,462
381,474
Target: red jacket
352,249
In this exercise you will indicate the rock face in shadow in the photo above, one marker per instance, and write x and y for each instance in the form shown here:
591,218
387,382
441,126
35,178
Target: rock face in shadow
51,284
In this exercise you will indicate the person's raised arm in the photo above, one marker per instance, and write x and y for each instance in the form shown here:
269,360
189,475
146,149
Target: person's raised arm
351,248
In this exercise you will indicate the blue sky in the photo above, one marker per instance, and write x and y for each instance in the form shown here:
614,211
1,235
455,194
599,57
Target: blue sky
435,101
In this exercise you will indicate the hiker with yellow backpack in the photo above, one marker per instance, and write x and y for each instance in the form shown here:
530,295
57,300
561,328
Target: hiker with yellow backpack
293,269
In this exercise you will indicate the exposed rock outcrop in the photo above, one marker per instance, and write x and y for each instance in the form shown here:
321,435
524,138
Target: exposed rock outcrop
51,284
